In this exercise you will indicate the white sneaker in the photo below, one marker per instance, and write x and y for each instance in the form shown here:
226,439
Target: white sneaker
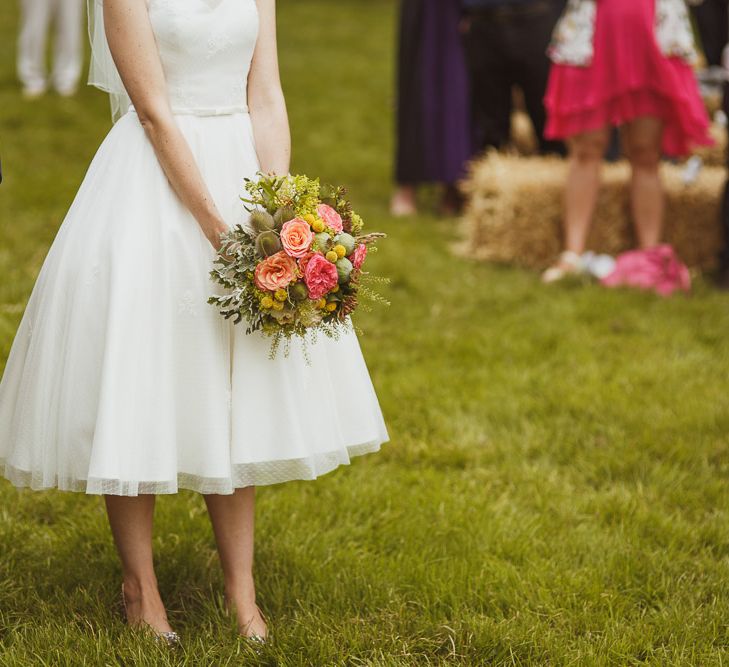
568,264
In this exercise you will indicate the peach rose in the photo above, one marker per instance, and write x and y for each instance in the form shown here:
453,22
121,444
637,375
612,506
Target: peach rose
275,272
359,255
320,277
330,217
296,237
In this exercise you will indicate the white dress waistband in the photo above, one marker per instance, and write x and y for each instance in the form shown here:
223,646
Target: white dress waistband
205,111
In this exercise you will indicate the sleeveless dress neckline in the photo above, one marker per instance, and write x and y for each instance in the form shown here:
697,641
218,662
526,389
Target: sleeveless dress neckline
628,78
122,379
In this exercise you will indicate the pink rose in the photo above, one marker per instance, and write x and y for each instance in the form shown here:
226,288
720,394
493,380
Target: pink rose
275,272
359,255
320,277
296,237
330,217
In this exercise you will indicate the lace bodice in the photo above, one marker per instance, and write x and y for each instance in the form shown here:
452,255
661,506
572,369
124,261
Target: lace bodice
206,47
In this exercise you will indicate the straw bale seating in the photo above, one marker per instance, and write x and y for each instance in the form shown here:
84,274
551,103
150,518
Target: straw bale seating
715,156
514,211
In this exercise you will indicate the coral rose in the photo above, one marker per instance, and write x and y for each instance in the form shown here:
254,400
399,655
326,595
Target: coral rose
275,272
296,237
359,255
330,217
304,261
320,277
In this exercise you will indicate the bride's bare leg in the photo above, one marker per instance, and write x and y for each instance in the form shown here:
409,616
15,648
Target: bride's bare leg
232,517
131,519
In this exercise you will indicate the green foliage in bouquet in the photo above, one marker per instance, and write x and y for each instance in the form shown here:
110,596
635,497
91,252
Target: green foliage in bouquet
296,267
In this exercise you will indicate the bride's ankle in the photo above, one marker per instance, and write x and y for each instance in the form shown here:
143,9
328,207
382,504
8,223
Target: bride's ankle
143,606
240,587
137,588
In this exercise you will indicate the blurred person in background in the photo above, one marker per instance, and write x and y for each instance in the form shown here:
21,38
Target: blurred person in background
36,19
712,21
435,136
506,45
628,64
723,276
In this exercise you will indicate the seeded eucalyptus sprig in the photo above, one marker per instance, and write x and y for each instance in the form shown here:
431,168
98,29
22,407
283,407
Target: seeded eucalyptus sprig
233,270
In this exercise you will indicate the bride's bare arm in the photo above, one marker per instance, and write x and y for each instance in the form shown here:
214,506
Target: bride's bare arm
133,47
265,97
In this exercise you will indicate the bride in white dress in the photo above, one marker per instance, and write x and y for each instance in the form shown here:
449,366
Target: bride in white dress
122,380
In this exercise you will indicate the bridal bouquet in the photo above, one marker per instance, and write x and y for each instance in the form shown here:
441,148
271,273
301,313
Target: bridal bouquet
297,267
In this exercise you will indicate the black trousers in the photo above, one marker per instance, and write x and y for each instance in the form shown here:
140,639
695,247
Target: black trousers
507,46
712,20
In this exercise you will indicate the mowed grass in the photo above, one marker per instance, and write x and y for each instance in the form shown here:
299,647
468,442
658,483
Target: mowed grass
557,487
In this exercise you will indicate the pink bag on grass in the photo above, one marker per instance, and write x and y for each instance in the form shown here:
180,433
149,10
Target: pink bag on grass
658,269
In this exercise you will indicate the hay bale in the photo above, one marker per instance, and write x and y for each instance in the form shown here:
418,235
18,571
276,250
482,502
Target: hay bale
514,211
713,99
714,156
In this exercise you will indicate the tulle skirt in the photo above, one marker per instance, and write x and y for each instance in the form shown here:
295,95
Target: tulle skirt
629,78
123,380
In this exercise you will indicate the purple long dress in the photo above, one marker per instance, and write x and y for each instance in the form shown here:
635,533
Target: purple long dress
435,134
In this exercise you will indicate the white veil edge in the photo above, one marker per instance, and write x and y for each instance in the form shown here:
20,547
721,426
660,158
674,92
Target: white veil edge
102,71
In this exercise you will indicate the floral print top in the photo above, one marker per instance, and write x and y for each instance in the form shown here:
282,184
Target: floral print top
573,36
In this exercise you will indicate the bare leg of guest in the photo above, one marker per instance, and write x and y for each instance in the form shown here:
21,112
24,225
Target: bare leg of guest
404,201
131,520
232,517
642,139
586,153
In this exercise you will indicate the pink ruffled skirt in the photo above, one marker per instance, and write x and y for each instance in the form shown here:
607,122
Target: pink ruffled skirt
629,78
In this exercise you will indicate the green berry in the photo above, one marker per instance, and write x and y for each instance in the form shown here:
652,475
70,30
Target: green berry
346,240
344,269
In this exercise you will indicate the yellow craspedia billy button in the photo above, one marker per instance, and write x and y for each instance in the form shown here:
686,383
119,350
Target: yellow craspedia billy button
278,305
266,302
340,250
331,306
332,256
317,225
310,218
281,295
322,303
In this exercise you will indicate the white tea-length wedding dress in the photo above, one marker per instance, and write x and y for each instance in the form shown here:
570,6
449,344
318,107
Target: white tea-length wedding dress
122,379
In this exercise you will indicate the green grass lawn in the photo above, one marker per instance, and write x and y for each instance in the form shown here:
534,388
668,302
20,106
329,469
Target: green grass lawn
557,487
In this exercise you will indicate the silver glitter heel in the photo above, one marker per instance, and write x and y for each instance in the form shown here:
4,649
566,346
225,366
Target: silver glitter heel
169,639
254,642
